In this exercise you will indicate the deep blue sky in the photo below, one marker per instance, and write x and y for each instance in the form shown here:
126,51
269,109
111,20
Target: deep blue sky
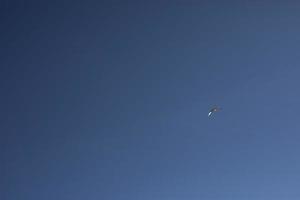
109,100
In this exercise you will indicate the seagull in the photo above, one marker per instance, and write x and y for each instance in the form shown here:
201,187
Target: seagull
214,109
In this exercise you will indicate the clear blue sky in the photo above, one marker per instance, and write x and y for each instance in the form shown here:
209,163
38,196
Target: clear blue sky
109,101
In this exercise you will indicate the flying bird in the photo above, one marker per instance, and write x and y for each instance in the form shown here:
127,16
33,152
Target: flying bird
213,110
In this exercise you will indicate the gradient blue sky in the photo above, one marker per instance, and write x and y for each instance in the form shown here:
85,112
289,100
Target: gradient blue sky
109,101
